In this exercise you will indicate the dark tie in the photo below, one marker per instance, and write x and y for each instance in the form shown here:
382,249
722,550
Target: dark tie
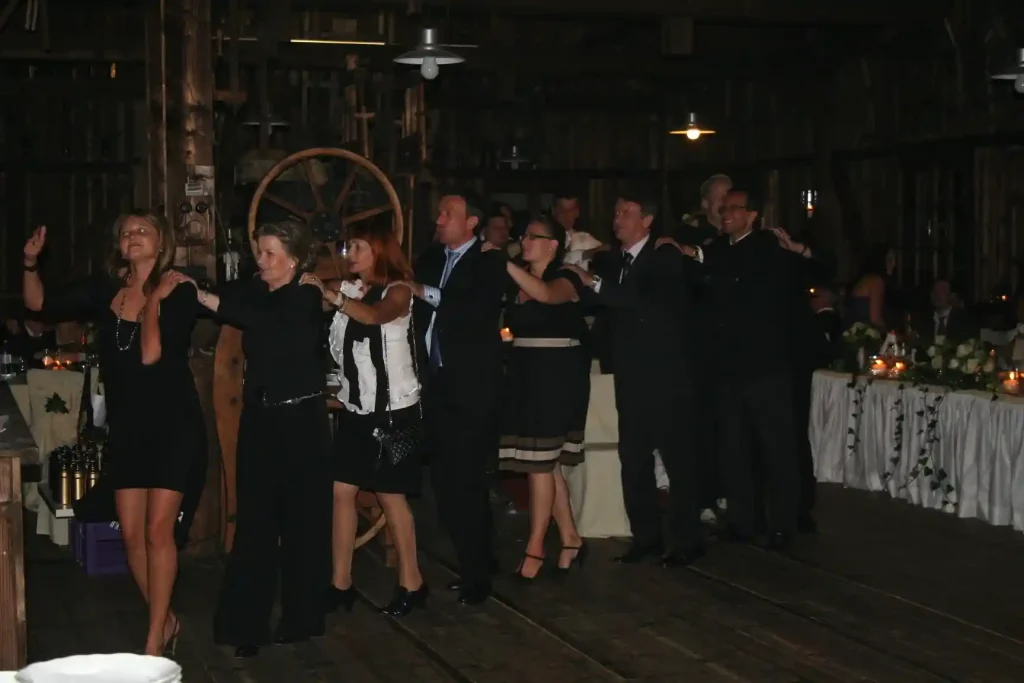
435,343
627,261
941,326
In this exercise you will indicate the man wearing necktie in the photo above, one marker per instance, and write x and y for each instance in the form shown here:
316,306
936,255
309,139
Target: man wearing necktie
459,292
945,319
647,303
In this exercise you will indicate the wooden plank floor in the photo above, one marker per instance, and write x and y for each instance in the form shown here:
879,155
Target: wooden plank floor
886,592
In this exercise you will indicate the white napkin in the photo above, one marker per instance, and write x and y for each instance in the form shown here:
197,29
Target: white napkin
116,668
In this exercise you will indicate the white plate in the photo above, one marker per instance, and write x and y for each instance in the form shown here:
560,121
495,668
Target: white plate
116,668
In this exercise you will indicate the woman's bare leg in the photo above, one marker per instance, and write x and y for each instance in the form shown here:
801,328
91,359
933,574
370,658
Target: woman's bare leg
562,512
162,555
403,531
131,515
343,534
542,494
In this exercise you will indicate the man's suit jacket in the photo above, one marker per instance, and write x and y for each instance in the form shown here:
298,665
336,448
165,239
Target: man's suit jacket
959,327
649,329
761,318
466,319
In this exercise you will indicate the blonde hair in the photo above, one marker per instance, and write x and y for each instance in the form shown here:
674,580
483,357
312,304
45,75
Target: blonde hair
117,265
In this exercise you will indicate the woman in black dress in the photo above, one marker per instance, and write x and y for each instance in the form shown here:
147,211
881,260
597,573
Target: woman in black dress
156,466
370,339
547,390
284,442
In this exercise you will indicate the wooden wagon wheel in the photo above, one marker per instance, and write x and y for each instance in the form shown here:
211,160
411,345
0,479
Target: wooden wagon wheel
328,212
227,361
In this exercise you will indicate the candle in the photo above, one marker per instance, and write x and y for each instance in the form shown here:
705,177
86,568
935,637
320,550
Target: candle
898,368
1012,382
506,335
878,366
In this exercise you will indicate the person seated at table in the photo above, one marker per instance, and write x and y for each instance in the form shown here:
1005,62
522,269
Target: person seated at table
547,389
945,319
157,435
25,338
871,299
372,343
283,476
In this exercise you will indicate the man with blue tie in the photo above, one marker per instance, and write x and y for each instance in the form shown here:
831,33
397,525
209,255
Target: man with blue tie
459,292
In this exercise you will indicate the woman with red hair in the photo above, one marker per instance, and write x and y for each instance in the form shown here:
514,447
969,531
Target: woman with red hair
371,340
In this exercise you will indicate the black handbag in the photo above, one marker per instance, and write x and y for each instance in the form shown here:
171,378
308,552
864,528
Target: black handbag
400,443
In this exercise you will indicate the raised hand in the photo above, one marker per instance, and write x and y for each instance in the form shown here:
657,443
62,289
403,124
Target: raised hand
35,245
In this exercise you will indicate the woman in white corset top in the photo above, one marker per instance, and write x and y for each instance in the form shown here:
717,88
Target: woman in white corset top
370,340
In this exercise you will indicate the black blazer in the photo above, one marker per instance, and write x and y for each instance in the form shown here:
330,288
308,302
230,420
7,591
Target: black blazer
467,317
959,327
649,328
761,319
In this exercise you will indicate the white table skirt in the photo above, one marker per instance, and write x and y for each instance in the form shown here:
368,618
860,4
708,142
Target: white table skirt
595,486
875,435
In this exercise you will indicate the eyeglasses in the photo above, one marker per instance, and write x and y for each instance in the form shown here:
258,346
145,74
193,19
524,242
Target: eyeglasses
530,236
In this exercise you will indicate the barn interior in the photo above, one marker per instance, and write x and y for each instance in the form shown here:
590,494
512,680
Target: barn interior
866,122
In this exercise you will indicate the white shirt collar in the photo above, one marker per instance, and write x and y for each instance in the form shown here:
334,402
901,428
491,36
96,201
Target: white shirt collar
741,237
461,249
634,250
820,310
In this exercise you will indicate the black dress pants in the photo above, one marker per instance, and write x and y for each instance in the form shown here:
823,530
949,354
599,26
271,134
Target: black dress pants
283,524
647,423
755,418
802,379
464,430
705,440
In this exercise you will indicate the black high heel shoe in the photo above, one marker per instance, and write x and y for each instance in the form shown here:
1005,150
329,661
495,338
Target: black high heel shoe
336,598
405,601
518,573
171,646
578,559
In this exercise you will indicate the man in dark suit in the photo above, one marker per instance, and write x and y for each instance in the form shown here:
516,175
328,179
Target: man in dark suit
757,284
945,319
459,290
647,307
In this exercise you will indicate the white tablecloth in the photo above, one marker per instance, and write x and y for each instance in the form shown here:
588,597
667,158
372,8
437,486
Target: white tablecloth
962,452
595,486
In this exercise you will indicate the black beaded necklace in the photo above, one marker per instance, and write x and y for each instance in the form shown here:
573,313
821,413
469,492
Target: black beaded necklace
117,328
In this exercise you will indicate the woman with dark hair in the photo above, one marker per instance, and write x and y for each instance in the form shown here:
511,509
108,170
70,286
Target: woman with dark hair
869,296
547,389
283,476
156,467
371,341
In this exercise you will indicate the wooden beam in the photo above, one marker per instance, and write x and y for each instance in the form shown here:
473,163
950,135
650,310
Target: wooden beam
776,11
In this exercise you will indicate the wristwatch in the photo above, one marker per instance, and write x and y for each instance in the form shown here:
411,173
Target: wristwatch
595,282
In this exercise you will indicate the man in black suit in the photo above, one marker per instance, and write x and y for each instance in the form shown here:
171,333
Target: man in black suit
758,292
459,290
647,305
945,319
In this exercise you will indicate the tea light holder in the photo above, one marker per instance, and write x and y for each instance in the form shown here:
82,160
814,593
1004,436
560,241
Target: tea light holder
1011,385
877,367
506,335
897,369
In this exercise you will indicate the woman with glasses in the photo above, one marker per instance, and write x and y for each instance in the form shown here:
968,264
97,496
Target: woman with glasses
547,389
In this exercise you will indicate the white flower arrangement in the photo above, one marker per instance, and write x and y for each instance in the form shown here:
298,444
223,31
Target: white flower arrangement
860,332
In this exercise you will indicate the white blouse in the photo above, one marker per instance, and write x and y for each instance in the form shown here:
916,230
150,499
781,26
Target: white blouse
405,387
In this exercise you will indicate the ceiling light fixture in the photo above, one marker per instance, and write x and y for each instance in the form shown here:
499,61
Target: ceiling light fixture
429,55
1015,73
692,130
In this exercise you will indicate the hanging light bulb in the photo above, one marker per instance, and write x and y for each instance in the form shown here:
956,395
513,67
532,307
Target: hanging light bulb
429,68
692,130
429,55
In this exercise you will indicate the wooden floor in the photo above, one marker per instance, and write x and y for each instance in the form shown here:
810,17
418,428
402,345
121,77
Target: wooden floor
885,592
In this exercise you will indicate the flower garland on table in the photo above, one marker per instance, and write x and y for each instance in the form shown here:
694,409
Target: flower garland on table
853,425
925,465
970,365
860,340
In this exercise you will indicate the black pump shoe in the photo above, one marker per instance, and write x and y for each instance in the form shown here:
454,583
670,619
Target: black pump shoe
336,598
405,601
518,573
577,560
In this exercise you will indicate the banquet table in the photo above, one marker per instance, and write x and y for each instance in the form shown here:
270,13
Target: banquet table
958,451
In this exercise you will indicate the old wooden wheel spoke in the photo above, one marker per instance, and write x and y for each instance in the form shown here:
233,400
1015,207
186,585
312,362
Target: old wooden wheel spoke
288,206
363,215
307,167
346,187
